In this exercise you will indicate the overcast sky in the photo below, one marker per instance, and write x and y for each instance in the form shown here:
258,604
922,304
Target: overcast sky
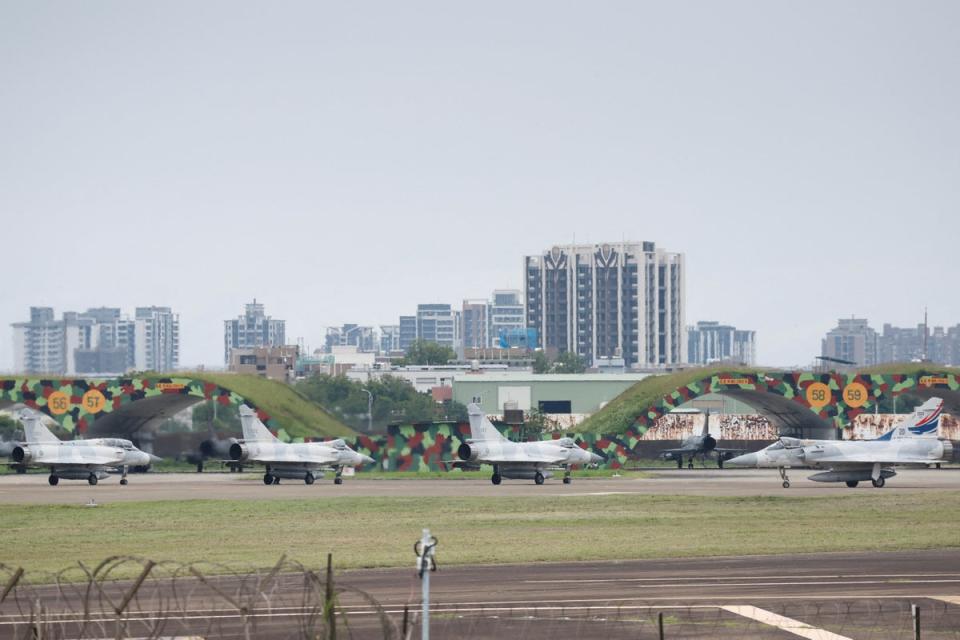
345,161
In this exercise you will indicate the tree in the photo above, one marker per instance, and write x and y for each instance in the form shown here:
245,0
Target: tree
221,418
424,352
541,364
569,362
9,428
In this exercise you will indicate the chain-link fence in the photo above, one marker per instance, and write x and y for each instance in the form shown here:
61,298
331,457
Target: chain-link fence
127,597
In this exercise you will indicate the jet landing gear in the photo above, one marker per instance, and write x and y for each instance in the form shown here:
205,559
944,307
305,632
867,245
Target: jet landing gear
538,478
308,478
879,482
496,478
853,483
783,476
566,476
92,478
123,478
54,479
338,478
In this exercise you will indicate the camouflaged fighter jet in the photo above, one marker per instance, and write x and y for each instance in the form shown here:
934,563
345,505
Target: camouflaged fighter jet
519,460
913,443
703,446
300,461
75,459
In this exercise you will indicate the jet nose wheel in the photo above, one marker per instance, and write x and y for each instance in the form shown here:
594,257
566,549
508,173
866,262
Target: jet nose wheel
786,484
267,478
92,479
879,482
496,479
338,481
124,481
567,481
538,478
53,480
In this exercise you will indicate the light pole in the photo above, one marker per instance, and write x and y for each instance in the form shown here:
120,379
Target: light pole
369,410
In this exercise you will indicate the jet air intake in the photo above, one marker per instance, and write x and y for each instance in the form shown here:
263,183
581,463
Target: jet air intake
21,455
239,452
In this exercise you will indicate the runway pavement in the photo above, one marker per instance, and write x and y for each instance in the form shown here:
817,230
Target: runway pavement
33,488
823,596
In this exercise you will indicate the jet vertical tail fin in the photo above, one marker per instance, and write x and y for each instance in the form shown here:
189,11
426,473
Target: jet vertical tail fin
706,424
480,427
34,429
922,423
253,429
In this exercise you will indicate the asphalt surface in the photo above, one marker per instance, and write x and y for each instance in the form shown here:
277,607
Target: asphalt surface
824,596
33,488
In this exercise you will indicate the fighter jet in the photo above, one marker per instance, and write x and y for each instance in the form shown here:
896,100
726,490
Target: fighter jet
302,461
75,459
519,460
703,446
913,443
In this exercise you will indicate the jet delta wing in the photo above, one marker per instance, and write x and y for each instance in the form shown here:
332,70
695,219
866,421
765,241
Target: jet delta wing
914,442
76,459
299,461
519,460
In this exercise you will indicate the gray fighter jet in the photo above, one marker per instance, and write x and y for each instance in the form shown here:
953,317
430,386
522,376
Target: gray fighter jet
88,460
913,443
703,446
519,460
300,461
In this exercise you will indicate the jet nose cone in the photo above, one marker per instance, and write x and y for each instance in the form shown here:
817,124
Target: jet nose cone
746,460
366,459
596,459
154,458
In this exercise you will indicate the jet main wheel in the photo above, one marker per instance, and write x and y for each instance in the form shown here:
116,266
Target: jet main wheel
879,482
786,484
538,478
338,481
679,463
853,483
496,478
720,463
690,464
267,478
567,480
276,479
124,481
92,479
53,480
308,479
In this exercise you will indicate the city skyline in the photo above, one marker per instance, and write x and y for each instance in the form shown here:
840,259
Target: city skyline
344,164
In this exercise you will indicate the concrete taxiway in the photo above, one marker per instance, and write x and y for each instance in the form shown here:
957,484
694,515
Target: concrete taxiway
33,488
836,596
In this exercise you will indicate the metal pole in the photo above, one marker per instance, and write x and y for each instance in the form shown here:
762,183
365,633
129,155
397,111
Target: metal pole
660,623
915,611
369,410
425,622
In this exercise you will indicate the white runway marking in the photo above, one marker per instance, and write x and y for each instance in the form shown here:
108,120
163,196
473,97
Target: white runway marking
789,625
948,599
890,576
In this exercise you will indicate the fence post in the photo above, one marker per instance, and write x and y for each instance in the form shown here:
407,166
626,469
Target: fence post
328,609
660,624
915,612
425,548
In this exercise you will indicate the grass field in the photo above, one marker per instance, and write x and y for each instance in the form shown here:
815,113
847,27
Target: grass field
379,532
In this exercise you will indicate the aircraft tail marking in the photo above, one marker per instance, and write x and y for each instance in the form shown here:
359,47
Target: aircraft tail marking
34,429
480,427
253,429
923,422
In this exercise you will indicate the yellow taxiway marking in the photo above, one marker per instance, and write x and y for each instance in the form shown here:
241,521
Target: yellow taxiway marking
789,625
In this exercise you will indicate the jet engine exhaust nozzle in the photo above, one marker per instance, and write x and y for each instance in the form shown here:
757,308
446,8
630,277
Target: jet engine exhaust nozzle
709,443
21,455
238,452
465,452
